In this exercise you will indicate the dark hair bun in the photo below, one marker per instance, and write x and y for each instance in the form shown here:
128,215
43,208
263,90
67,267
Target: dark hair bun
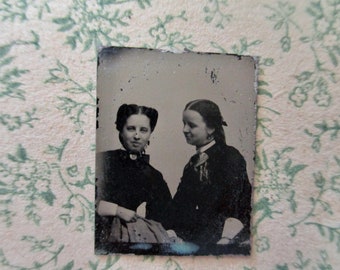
126,110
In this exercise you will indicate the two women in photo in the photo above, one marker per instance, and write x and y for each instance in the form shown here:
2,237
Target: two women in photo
212,204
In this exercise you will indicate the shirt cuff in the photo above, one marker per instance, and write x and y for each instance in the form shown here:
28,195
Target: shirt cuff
107,208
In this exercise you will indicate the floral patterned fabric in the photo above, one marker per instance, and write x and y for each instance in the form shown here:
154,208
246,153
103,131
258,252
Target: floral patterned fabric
48,53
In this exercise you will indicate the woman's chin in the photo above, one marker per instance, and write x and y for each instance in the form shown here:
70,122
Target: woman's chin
135,150
190,142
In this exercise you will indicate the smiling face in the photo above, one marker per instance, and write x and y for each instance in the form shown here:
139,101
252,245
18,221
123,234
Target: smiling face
136,132
195,130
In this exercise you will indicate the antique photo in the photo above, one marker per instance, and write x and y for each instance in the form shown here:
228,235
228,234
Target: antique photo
175,149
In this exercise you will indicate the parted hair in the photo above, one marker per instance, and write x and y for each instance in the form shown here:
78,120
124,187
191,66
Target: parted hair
126,110
211,115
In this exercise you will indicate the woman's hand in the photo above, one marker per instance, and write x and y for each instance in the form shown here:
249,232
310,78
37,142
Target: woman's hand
232,227
173,237
224,241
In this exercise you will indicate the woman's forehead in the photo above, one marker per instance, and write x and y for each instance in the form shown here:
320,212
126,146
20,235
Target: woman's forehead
192,116
140,119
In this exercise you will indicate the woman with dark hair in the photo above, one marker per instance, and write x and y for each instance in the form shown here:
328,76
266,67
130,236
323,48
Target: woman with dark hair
214,188
129,181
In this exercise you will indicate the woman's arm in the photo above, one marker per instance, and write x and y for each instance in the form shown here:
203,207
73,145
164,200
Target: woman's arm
238,194
156,207
230,195
105,208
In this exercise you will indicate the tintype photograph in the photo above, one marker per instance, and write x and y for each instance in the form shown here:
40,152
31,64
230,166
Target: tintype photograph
175,147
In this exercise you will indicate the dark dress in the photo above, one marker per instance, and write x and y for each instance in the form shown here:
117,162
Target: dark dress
128,183
202,203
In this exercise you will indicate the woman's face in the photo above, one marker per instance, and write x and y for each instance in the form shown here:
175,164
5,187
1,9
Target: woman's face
195,129
136,132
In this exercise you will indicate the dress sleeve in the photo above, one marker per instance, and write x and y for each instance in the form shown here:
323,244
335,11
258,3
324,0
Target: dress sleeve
159,199
243,204
230,196
179,213
235,200
105,183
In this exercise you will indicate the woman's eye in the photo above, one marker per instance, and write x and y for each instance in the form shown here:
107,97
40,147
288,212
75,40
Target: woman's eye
130,128
144,130
190,125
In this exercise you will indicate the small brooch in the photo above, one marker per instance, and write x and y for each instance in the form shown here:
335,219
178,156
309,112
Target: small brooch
133,156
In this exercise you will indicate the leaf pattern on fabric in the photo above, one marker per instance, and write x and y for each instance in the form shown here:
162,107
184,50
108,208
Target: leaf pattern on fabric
48,55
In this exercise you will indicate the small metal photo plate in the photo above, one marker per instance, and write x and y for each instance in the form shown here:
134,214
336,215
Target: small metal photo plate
175,147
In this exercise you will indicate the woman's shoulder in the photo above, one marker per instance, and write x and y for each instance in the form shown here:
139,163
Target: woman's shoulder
225,153
155,171
124,155
225,150
113,152
112,155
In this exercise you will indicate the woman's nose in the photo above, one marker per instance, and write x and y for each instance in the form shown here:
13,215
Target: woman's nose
185,128
136,135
